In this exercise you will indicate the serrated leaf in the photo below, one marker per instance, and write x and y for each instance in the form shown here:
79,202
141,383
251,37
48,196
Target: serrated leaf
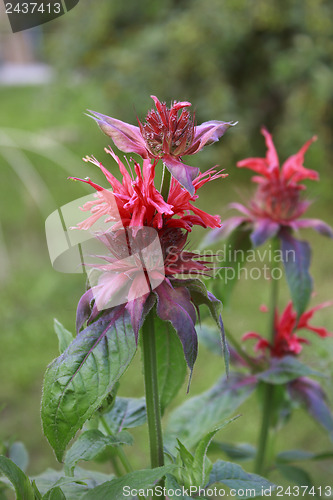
141,479
21,483
241,451
77,382
283,370
54,494
171,365
233,476
126,414
19,455
296,259
295,474
64,336
89,444
191,421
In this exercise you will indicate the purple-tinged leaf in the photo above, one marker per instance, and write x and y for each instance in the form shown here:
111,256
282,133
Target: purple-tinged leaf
316,224
200,295
78,381
296,256
184,174
174,305
191,421
283,370
312,396
264,229
83,311
208,133
138,310
126,137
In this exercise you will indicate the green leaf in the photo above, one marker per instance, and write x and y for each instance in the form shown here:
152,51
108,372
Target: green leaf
285,369
38,496
241,451
138,480
54,494
19,455
171,364
302,455
89,444
21,483
77,383
294,456
296,259
200,463
64,336
73,487
126,414
191,421
172,485
233,476
295,474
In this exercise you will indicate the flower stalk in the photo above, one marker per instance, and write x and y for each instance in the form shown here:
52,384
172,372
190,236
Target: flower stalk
268,393
120,454
151,391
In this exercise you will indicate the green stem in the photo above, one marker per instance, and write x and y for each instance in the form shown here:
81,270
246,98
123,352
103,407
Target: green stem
166,180
264,431
268,389
274,293
118,451
152,396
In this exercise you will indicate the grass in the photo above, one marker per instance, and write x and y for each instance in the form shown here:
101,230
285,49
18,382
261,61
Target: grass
33,293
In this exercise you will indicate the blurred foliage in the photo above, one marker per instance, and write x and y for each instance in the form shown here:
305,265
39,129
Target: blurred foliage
259,62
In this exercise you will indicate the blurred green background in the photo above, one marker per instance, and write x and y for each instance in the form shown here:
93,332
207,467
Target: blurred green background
259,62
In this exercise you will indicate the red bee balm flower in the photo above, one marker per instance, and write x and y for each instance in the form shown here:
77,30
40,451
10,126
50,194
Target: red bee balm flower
127,277
167,134
277,202
286,341
138,203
